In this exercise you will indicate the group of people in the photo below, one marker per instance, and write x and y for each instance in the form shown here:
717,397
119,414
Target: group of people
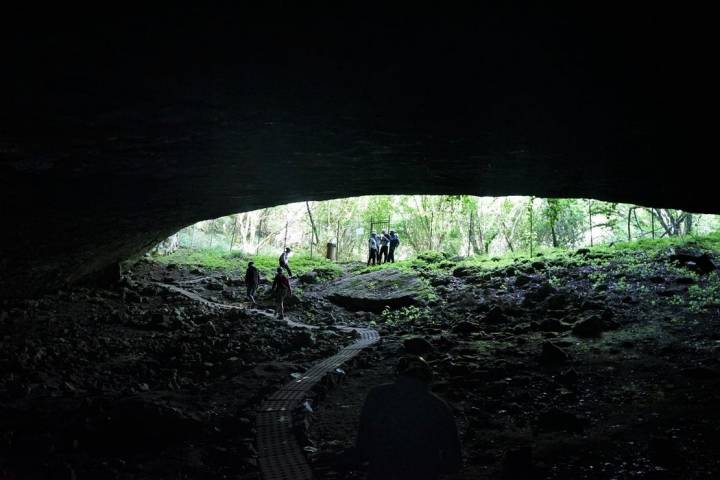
406,432
382,247
281,284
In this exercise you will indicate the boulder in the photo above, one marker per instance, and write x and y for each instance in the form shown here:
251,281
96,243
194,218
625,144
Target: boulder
495,315
700,262
553,325
302,339
309,277
591,326
522,280
373,291
552,354
466,327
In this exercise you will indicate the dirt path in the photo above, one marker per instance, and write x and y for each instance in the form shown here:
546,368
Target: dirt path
279,453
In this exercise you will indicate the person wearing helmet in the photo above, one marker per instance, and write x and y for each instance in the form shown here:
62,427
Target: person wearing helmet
406,431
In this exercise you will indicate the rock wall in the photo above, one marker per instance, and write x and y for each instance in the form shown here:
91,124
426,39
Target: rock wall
118,132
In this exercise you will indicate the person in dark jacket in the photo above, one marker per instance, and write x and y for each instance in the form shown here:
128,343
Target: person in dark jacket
281,289
284,261
406,432
252,280
394,243
384,242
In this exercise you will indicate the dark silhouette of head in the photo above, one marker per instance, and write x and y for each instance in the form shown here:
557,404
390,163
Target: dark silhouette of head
415,367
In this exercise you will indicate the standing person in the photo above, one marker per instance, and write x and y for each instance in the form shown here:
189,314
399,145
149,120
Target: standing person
407,432
394,243
384,242
282,290
252,280
284,261
373,247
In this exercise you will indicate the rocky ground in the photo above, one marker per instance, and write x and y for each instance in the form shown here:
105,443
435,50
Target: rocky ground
590,365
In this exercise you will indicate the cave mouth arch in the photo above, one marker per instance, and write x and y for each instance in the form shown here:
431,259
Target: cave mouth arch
453,225
121,131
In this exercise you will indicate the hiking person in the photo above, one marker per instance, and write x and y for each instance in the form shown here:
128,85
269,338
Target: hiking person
407,432
373,247
384,242
252,280
284,261
394,243
281,289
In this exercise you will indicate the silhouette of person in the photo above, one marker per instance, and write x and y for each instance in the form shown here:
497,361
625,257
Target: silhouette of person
394,243
384,243
252,280
373,249
283,260
406,432
281,289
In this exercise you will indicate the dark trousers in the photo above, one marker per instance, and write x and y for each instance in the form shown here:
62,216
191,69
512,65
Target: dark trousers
287,268
251,289
391,254
373,256
383,254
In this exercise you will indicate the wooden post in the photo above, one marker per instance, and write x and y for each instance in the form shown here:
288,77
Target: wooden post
652,223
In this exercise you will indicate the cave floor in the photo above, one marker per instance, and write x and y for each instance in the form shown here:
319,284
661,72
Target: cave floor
604,369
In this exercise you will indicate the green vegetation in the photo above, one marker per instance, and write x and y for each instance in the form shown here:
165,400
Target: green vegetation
406,316
217,258
456,225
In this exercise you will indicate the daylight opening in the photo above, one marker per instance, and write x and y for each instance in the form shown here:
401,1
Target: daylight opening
454,225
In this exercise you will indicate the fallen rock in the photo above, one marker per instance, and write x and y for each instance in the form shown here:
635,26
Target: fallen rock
699,262
591,326
552,354
374,291
309,277
553,325
495,315
540,293
302,339
522,280
558,301
466,327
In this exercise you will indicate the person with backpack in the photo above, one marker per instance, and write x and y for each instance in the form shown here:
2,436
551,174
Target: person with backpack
373,247
281,289
284,261
394,243
384,242
252,280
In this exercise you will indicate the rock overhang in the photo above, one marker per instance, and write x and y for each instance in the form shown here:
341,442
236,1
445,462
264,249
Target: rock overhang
115,137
